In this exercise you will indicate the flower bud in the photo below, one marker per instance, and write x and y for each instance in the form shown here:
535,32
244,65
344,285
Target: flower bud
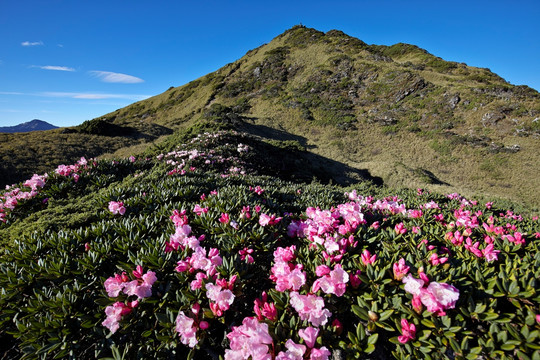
337,326
203,325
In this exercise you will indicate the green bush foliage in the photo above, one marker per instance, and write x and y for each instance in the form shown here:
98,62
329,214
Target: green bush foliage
52,274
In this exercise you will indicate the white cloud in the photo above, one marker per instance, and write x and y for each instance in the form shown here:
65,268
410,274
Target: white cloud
10,93
112,77
12,111
82,95
94,96
58,68
35,43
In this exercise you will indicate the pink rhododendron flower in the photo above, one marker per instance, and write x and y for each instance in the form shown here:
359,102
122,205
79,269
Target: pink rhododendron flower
141,287
204,325
181,238
309,335
415,213
182,266
63,170
408,331
310,308
257,189
82,161
367,258
245,213
322,270
197,283
263,309
265,220
282,274
473,248
245,254
186,330
355,279
319,354
445,294
36,182
423,275
223,298
117,207
400,228
400,269
251,339
224,218
437,297
490,253
200,210
435,260
333,283
114,285
413,285
517,238
294,351
417,304
114,314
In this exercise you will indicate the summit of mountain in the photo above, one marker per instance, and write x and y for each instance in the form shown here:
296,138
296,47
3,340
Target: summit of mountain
33,125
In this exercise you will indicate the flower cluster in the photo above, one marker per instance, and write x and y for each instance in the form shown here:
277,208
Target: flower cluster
269,220
408,331
115,312
74,170
251,339
331,282
141,287
436,297
310,308
264,309
183,160
187,326
202,264
11,198
117,207
15,195
286,275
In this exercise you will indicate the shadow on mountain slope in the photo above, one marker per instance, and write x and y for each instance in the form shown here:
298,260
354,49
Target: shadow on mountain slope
287,155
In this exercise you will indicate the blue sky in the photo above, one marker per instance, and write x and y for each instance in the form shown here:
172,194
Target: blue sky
66,61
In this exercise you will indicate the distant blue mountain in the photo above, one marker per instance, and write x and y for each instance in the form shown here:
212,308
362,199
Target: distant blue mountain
34,125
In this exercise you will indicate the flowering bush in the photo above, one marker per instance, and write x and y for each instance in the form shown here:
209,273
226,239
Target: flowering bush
117,207
205,265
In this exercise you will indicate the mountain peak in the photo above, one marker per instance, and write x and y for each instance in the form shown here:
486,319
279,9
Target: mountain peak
32,125
398,113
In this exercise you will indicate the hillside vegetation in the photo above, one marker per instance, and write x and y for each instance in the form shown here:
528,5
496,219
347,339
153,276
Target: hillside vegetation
221,244
396,112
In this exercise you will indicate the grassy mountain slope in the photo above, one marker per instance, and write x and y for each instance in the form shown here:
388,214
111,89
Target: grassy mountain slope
395,113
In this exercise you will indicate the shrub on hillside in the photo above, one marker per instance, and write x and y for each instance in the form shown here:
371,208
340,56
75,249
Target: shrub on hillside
205,263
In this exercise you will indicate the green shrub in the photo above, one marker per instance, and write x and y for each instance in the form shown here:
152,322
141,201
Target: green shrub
53,297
